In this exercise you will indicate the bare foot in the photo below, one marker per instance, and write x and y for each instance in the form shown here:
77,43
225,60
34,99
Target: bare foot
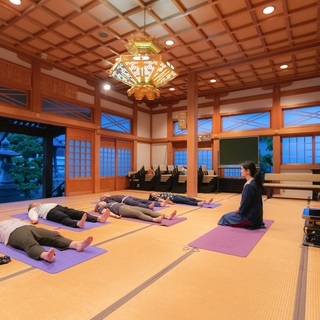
80,245
171,215
48,255
81,222
158,219
208,201
105,215
151,206
165,202
201,203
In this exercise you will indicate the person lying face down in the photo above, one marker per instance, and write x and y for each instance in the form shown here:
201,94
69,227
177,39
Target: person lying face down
30,239
119,210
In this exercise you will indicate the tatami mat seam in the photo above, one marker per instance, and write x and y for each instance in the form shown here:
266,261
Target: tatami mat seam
300,302
120,302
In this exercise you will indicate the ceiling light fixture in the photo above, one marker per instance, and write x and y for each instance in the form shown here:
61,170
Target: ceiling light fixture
143,70
284,66
16,2
106,87
268,10
169,42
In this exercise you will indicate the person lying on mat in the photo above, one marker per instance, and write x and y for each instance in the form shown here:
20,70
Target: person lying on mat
250,212
133,201
118,210
30,239
67,216
177,198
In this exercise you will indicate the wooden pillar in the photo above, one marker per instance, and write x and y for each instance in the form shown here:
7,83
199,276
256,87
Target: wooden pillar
135,133
36,103
169,135
276,118
192,135
216,130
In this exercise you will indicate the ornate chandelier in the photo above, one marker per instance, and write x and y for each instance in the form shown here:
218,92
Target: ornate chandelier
143,70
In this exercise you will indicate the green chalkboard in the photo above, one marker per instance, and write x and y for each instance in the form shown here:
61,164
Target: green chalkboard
237,150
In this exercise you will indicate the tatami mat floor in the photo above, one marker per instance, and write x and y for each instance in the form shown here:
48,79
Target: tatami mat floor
150,273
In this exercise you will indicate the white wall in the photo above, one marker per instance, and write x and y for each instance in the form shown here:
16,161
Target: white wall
143,151
159,154
159,126
143,125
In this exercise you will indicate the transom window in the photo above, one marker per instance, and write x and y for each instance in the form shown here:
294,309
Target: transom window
248,121
115,123
301,116
204,126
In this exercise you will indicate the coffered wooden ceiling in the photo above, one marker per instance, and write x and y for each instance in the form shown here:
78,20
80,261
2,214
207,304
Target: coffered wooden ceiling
231,41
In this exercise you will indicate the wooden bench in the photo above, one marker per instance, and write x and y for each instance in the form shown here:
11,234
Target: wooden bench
295,181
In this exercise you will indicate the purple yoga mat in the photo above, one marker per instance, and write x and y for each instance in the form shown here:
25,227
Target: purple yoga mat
234,241
165,222
211,205
87,226
64,259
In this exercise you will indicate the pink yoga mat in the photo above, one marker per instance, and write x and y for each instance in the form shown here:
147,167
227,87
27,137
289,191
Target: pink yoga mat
229,240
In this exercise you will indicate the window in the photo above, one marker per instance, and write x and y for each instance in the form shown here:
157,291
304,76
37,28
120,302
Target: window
204,158
115,123
180,158
107,162
13,97
317,149
66,109
80,159
301,116
249,121
298,150
124,161
204,126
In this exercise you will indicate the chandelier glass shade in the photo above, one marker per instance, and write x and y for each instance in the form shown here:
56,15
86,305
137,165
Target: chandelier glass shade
143,70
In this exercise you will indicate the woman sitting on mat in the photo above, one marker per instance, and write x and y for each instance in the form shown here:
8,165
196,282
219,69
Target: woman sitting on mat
118,210
67,216
250,212
177,198
23,236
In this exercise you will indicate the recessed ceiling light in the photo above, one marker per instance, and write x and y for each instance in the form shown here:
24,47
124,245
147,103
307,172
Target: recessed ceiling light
103,34
172,89
284,66
16,2
106,86
169,42
213,80
268,10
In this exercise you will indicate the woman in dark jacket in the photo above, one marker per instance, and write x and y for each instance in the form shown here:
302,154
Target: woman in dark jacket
250,212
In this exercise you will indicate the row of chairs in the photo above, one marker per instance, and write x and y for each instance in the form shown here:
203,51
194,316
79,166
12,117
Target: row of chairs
171,178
